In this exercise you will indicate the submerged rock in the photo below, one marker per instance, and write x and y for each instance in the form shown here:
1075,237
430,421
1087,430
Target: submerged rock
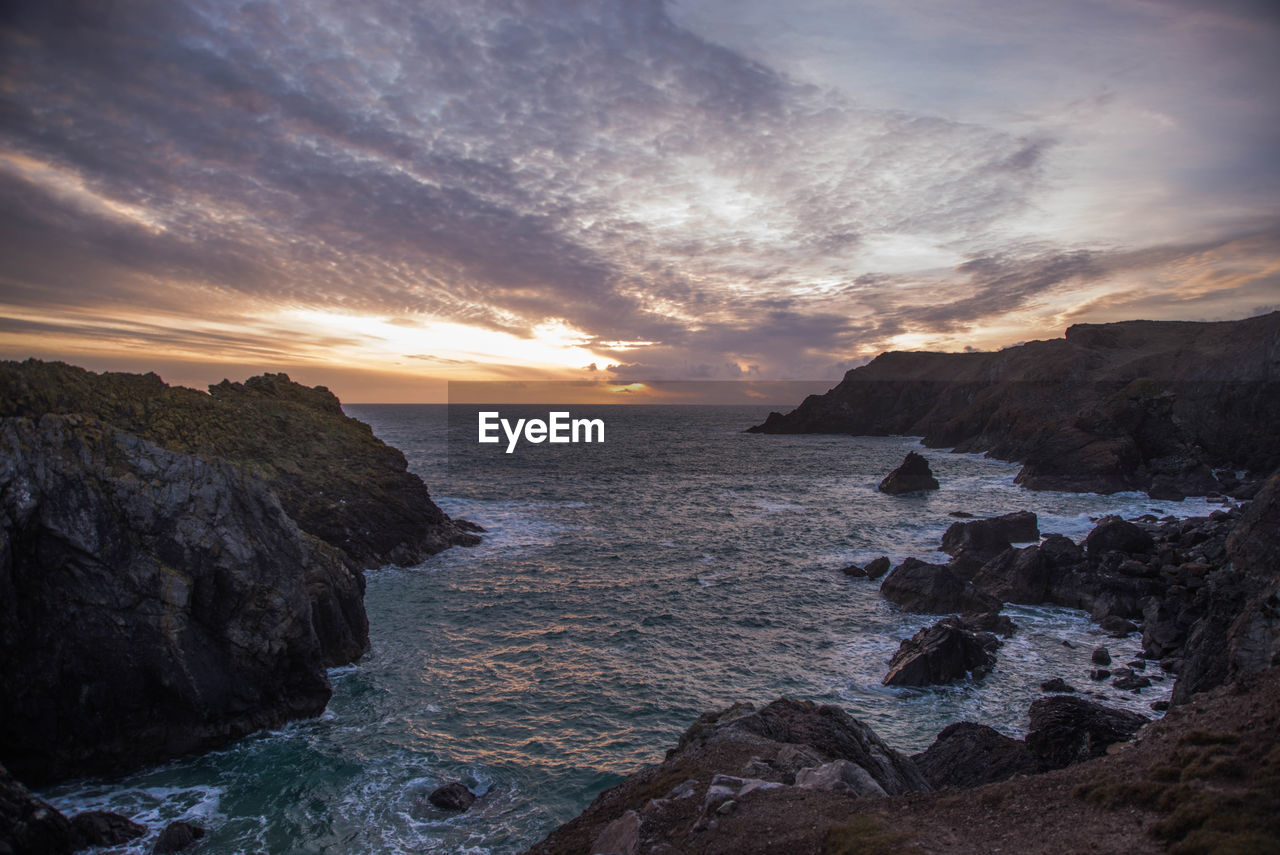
453,796
912,476
104,828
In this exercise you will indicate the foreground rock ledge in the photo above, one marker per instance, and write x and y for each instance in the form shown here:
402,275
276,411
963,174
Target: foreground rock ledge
724,790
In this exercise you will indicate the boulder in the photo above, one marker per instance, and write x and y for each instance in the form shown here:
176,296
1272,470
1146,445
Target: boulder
877,568
453,796
912,476
1101,656
620,837
990,536
1113,534
1066,729
177,836
152,603
934,589
966,754
826,729
854,571
940,654
840,776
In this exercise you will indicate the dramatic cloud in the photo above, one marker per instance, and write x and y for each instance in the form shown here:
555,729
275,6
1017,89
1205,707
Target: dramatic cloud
691,190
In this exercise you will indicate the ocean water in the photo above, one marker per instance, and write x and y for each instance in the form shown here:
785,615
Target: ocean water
622,589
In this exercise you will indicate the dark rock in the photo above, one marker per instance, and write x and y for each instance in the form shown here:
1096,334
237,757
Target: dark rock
1101,656
912,476
1160,706
1057,685
940,654
854,571
453,796
334,478
1133,681
1113,534
152,603
934,589
991,536
1117,626
104,828
1066,729
877,568
1239,630
970,755
1099,674
177,836
963,515
1000,624
1124,406
29,825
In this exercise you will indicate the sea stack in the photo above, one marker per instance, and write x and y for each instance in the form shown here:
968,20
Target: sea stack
913,476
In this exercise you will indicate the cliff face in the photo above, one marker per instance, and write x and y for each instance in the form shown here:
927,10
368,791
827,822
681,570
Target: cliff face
333,476
1139,405
152,603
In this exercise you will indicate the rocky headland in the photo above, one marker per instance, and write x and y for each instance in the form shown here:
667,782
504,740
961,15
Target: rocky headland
1173,408
795,777
179,569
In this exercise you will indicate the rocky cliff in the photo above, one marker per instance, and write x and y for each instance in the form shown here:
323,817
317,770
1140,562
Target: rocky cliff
1138,405
153,603
335,479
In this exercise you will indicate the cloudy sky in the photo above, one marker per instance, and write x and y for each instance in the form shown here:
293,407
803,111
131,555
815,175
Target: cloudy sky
385,195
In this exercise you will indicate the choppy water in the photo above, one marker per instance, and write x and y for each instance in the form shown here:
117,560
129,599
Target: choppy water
622,590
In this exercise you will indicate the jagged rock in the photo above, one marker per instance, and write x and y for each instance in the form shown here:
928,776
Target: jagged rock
934,589
966,754
1099,674
29,825
1113,534
453,796
830,731
1066,729
854,571
840,776
153,603
877,568
976,542
940,654
1101,656
177,836
912,476
104,828
1110,407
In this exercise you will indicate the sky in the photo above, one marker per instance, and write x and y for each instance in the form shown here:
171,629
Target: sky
388,195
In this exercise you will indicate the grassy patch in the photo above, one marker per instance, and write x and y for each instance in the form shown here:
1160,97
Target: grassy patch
1216,796
865,835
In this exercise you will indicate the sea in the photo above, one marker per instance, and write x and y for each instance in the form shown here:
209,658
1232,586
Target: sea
622,588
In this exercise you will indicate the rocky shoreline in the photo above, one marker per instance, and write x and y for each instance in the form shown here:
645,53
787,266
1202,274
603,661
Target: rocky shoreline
1171,408
795,777
178,570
